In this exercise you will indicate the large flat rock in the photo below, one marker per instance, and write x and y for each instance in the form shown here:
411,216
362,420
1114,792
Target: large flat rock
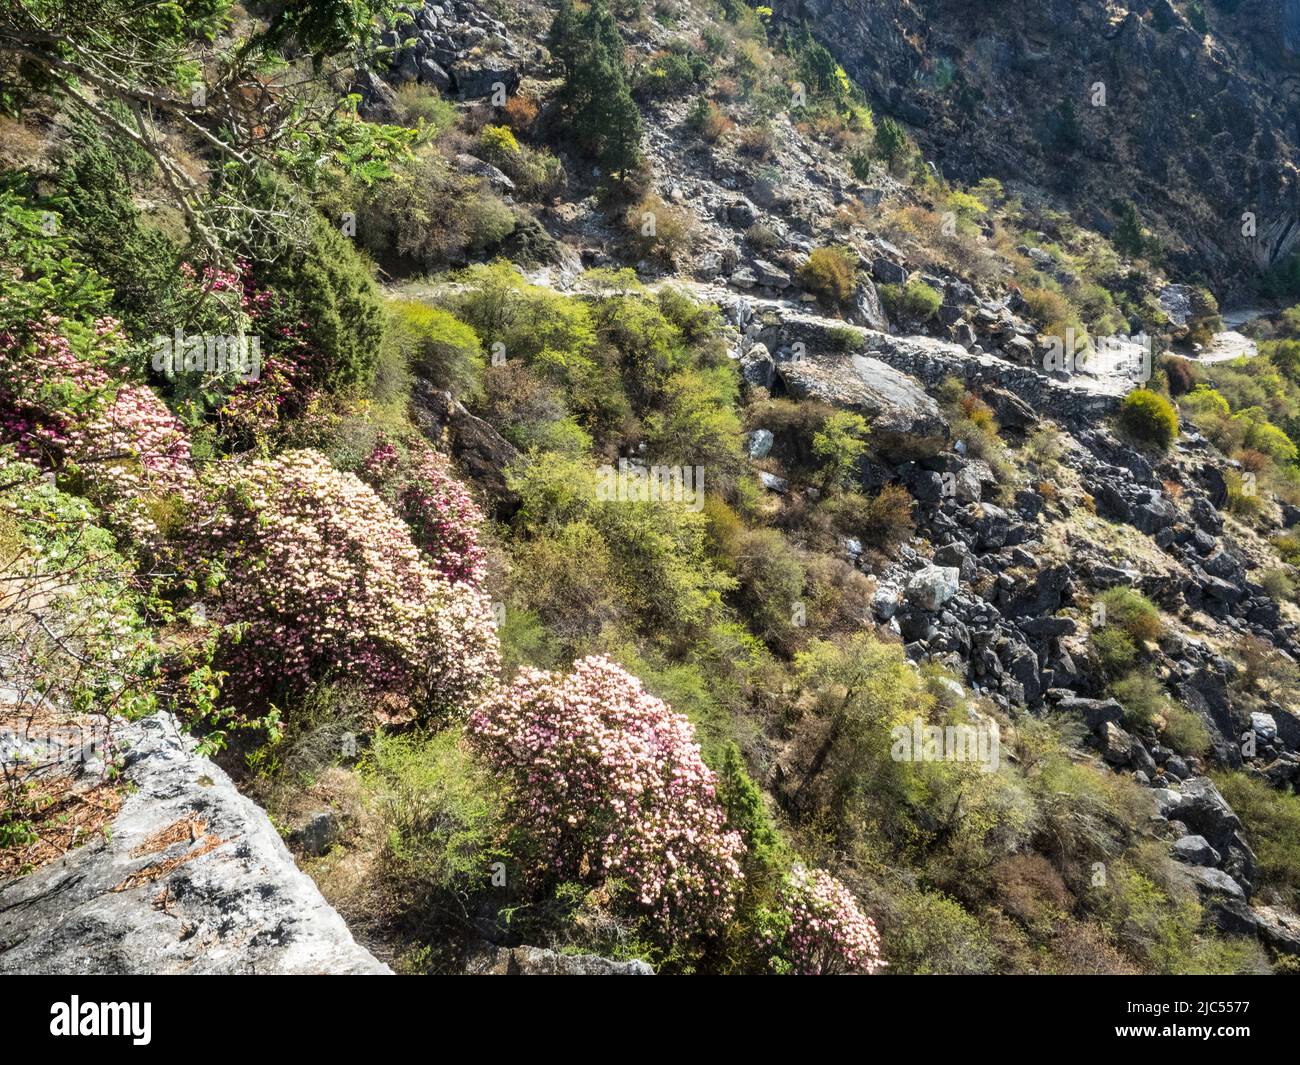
905,421
193,878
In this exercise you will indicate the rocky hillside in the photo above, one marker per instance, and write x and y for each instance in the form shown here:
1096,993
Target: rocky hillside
629,487
1075,100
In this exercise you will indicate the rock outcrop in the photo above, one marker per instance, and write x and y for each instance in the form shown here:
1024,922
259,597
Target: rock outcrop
481,451
192,878
1134,65
905,421
932,360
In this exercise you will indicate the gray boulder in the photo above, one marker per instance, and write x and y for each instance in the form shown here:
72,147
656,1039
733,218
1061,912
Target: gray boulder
1194,850
1010,410
1093,712
867,308
495,177
1199,805
757,366
318,834
433,74
1264,726
483,452
887,272
1115,744
884,603
905,422
474,80
933,586
770,276
1279,928
192,878
1214,883
758,443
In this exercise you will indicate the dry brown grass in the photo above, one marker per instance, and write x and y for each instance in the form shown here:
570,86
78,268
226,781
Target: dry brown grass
188,829
48,808
157,870
63,813
22,144
922,231
1080,949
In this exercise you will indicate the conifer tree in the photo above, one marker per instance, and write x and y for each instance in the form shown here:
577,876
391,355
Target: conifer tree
596,102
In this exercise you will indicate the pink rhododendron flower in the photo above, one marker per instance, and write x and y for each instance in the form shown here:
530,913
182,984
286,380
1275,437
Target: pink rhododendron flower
442,515
828,933
128,448
326,580
611,783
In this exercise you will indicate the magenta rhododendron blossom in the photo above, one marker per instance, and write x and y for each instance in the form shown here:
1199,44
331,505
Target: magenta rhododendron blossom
610,782
327,583
122,440
828,933
442,515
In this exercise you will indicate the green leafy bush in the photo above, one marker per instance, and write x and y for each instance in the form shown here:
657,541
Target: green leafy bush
838,446
1133,612
1185,731
1115,650
73,631
429,215
535,173
438,346
423,105
111,238
438,814
1143,699
328,286
915,299
892,142
1149,418
930,933
1271,819
660,230
882,521
830,273
42,272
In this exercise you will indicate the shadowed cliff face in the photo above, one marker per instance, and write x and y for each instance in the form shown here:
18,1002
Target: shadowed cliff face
1197,129
1287,21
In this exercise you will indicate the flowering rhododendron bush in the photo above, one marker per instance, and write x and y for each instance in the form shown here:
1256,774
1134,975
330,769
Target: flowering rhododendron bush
609,782
325,582
127,449
822,931
443,518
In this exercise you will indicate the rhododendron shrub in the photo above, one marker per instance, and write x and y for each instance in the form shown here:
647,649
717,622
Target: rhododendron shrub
820,930
609,783
443,518
119,439
323,580
283,385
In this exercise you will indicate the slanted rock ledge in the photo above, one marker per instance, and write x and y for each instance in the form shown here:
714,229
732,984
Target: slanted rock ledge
192,879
